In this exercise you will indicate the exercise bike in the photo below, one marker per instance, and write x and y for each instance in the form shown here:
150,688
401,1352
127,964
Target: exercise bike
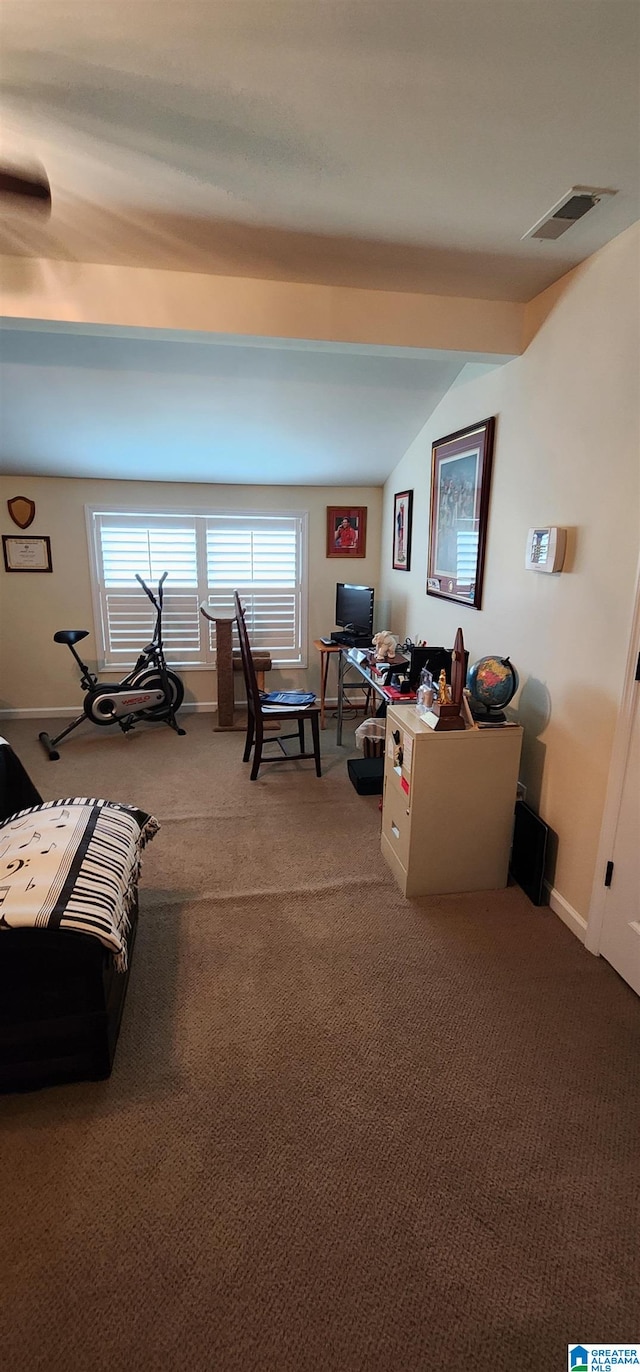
149,692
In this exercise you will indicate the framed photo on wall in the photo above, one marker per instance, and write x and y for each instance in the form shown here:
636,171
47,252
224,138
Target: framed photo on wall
402,520
346,531
26,554
460,482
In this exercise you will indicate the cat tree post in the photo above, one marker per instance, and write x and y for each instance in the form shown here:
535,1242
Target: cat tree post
228,662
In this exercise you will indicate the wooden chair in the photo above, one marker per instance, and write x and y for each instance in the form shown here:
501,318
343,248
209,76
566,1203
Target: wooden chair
257,714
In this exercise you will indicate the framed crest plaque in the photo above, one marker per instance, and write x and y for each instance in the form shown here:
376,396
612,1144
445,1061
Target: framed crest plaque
22,510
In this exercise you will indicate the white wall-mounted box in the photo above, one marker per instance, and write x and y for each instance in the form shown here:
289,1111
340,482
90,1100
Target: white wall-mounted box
546,549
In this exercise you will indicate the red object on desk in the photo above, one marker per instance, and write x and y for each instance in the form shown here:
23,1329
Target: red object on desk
392,693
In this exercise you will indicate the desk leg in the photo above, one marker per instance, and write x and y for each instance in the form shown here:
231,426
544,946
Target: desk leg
324,673
341,662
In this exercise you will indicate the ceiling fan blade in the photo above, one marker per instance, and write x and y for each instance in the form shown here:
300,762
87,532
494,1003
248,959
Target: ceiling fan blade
32,187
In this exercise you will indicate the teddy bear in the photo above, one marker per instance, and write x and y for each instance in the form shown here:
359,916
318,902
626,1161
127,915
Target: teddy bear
385,645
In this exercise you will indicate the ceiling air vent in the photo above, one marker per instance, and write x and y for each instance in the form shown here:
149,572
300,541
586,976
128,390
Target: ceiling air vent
573,206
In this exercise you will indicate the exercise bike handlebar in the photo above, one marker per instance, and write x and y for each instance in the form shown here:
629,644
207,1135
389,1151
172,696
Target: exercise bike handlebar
149,592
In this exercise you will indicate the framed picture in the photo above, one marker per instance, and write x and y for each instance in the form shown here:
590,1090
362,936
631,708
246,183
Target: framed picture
346,531
402,518
460,481
26,554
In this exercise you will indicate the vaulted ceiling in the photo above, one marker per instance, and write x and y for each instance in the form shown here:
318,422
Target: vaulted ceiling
396,145
401,144
111,405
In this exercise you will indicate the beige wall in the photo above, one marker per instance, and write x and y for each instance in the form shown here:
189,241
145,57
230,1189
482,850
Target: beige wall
567,453
36,674
146,297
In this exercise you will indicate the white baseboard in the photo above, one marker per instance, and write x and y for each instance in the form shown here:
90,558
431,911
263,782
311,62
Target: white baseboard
45,712
190,707
568,915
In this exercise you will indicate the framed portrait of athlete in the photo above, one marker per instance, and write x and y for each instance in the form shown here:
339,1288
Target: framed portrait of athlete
346,531
402,520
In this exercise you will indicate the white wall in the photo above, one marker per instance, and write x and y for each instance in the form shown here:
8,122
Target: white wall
37,674
567,453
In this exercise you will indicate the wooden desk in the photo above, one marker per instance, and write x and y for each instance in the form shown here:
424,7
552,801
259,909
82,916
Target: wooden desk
350,661
325,650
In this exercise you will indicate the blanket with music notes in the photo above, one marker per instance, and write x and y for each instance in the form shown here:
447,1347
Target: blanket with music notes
73,864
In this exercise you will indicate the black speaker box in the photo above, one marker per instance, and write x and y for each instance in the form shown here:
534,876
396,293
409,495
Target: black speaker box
529,852
366,774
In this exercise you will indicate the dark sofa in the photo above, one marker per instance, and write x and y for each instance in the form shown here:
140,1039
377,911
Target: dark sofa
61,998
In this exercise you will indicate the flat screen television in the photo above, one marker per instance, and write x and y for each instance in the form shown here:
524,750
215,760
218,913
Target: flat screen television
354,608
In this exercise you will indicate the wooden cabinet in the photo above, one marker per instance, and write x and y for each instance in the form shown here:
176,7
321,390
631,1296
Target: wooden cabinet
447,811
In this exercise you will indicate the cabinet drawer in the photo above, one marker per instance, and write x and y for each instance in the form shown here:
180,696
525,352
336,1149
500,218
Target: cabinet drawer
396,823
390,857
397,783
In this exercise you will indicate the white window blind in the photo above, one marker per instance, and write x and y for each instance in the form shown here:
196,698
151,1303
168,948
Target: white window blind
207,558
261,559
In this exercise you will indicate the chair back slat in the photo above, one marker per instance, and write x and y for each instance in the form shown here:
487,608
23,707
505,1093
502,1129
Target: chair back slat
256,711
250,679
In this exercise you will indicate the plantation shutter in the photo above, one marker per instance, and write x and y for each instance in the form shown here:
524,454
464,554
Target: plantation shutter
260,556
207,558
148,545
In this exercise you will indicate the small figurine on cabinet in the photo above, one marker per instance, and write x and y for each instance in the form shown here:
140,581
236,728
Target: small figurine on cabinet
447,706
385,645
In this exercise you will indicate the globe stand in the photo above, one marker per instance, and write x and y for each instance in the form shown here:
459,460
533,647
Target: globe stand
482,714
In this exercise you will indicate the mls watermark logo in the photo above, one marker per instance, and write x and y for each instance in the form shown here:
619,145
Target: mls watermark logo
591,1357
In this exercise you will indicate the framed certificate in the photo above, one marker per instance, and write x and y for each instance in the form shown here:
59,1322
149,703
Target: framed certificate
26,554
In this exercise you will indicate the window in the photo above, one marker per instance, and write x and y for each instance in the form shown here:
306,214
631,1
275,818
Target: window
208,557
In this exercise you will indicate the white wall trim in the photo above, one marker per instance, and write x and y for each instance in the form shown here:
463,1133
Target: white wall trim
189,707
573,920
617,769
201,707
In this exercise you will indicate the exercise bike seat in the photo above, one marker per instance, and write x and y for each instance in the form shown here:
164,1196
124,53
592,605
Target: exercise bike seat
70,636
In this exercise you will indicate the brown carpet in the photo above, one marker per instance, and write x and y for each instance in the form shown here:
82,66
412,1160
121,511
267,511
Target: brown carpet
345,1132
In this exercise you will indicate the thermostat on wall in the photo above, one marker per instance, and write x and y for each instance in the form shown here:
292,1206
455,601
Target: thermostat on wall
546,549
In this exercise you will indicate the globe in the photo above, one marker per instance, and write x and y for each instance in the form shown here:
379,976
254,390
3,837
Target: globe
493,682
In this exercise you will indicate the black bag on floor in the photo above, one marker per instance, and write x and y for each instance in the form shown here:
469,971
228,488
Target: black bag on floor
366,774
